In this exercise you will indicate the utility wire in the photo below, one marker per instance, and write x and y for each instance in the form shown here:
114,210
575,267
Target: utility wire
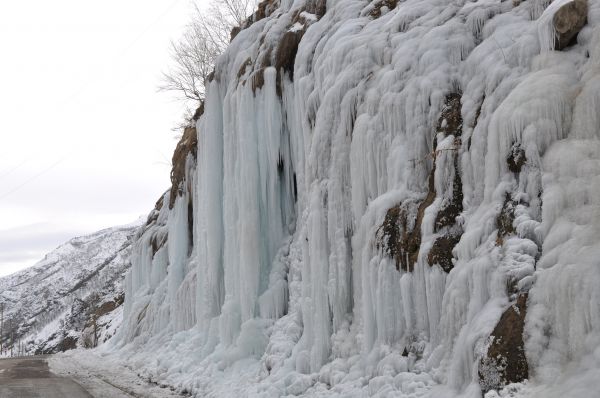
71,97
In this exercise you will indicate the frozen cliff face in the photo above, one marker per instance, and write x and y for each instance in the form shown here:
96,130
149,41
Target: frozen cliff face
386,199
70,298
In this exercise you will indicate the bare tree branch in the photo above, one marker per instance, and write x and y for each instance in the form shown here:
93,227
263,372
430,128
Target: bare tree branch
205,38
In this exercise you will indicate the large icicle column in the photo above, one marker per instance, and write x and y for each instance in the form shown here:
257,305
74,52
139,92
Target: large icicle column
383,199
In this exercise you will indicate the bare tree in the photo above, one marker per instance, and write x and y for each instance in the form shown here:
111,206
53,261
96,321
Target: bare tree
204,39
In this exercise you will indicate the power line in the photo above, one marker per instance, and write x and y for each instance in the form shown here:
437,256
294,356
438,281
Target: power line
71,97
34,177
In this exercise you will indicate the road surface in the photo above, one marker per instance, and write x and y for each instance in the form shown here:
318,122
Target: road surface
29,377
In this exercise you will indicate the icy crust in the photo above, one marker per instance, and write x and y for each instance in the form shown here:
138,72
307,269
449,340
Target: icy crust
281,288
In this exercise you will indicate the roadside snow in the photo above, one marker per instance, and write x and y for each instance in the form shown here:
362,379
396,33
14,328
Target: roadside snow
104,378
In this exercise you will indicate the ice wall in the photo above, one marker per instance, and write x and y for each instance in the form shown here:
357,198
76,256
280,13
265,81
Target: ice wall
374,187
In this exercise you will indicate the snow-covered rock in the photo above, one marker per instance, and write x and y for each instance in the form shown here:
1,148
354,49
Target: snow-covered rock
70,298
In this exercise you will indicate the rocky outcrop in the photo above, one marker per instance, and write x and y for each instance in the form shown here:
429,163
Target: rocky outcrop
441,251
568,21
286,51
263,10
382,4
450,121
516,159
187,145
449,124
393,238
88,323
400,234
505,219
505,361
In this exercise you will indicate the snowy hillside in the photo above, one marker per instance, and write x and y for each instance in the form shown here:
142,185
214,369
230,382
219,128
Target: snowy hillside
75,287
394,198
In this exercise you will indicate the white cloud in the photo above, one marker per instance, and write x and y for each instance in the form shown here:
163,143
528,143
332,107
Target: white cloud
25,245
85,139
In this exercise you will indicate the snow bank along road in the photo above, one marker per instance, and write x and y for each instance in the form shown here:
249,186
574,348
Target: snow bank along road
73,375
30,377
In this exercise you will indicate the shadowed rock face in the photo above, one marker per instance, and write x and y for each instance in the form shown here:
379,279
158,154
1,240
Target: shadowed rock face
286,52
505,219
264,9
505,360
401,238
317,7
441,251
186,146
449,123
568,21
516,159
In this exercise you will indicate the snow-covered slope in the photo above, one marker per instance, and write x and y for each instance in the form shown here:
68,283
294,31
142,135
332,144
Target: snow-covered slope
79,285
386,199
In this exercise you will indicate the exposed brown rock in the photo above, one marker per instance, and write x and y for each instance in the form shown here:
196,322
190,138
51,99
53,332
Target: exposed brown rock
263,10
516,158
376,11
68,343
211,76
199,112
107,307
504,220
505,360
568,21
450,121
441,251
265,59
234,32
317,7
258,79
286,52
390,232
395,235
157,241
190,220
452,208
153,216
186,146
245,65
159,203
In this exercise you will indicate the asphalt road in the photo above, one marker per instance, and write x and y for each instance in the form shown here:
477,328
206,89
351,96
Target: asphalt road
30,377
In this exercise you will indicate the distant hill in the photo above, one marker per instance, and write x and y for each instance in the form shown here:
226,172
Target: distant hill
70,298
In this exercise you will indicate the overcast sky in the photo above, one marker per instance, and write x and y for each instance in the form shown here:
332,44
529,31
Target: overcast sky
85,138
